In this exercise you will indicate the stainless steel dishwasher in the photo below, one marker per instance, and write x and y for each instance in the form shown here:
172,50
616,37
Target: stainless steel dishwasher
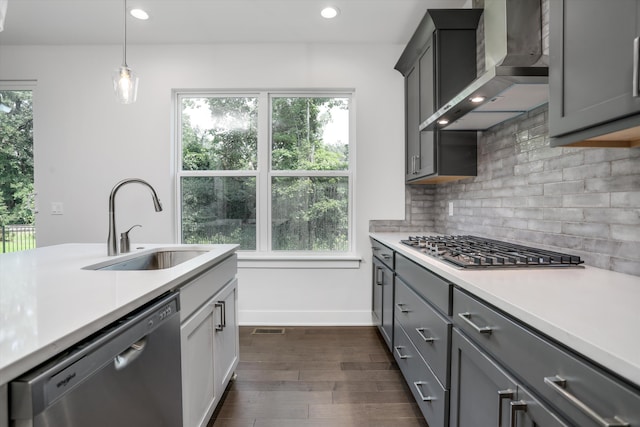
126,375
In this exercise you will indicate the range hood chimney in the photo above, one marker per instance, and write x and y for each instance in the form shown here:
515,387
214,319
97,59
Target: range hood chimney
515,76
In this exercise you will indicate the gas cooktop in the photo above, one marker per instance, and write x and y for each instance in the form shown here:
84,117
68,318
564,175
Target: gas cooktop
479,252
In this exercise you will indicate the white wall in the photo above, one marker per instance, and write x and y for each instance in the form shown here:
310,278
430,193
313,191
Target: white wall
85,142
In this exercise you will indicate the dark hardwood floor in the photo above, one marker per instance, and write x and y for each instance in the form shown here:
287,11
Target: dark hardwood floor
319,377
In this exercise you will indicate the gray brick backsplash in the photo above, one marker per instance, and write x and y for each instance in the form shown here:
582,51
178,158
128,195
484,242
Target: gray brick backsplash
585,201
569,187
630,233
586,229
594,200
613,216
626,199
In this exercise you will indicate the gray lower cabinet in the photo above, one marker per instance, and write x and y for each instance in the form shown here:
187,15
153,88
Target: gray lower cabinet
431,397
575,390
382,290
484,394
422,337
593,44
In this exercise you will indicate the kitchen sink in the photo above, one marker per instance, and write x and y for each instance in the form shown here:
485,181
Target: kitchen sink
156,260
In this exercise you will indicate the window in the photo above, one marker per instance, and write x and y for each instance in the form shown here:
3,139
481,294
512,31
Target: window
271,171
17,230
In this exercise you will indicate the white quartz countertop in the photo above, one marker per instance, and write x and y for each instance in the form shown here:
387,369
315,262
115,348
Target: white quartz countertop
48,302
593,311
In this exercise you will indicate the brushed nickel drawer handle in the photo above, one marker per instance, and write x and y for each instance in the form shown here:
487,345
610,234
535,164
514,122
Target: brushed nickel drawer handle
636,58
418,385
503,394
386,256
420,332
558,384
402,310
520,405
379,276
400,355
480,329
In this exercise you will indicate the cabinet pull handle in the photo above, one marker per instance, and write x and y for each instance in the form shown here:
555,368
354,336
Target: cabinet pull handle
417,165
400,355
520,405
636,59
379,276
400,307
480,329
220,326
558,384
418,385
413,165
503,394
420,332
386,256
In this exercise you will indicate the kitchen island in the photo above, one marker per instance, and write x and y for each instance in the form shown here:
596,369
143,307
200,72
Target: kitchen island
50,301
559,331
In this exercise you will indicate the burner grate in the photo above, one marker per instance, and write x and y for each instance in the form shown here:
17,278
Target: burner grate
478,252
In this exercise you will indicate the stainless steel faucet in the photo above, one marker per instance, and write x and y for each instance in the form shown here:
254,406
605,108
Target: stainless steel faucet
112,247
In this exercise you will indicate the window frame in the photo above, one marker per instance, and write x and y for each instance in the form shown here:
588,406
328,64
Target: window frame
263,172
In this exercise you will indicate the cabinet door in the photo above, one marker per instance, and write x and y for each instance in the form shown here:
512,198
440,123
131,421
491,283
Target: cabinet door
480,389
376,297
412,118
198,383
591,63
387,305
427,82
483,394
226,336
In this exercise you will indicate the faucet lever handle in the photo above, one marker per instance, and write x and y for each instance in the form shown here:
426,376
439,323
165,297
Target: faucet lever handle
124,240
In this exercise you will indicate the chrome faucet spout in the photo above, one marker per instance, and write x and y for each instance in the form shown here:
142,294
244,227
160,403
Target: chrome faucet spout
112,247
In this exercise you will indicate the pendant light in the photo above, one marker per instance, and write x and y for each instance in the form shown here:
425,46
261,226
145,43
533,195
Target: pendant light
125,80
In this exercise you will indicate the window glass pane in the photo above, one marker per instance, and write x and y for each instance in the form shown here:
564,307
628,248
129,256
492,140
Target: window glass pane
310,213
310,133
219,133
219,210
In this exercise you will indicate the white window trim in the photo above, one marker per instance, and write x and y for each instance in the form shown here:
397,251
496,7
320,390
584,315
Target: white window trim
263,256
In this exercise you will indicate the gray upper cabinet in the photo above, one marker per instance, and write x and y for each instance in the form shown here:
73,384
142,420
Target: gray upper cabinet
438,62
593,72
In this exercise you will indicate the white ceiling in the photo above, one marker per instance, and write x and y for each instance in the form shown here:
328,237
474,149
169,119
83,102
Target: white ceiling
214,21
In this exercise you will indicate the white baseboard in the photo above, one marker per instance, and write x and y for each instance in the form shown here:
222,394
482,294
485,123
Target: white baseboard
304,318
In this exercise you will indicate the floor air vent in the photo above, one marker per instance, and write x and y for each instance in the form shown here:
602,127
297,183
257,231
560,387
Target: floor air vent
268,331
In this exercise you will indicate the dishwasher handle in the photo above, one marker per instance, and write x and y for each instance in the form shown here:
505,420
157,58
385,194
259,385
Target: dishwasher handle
125,358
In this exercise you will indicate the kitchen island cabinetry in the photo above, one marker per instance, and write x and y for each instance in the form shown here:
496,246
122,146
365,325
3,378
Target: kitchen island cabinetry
209,340
593,74
382,290
439,61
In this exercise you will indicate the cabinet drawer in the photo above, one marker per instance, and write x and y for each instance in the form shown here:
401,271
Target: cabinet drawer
580,391
203,287
433,288
432,399
382,252
429,332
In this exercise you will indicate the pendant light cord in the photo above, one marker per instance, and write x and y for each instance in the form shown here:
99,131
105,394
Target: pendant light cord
124,47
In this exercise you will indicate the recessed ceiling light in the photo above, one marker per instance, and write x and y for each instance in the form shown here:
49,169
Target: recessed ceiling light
329,12
140,14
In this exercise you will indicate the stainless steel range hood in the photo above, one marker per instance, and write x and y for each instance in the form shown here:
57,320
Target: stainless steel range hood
515,76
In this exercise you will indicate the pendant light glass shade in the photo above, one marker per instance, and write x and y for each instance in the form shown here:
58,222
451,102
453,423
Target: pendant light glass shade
125,81
125,84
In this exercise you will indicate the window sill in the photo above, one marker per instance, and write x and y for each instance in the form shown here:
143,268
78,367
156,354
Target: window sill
252,260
